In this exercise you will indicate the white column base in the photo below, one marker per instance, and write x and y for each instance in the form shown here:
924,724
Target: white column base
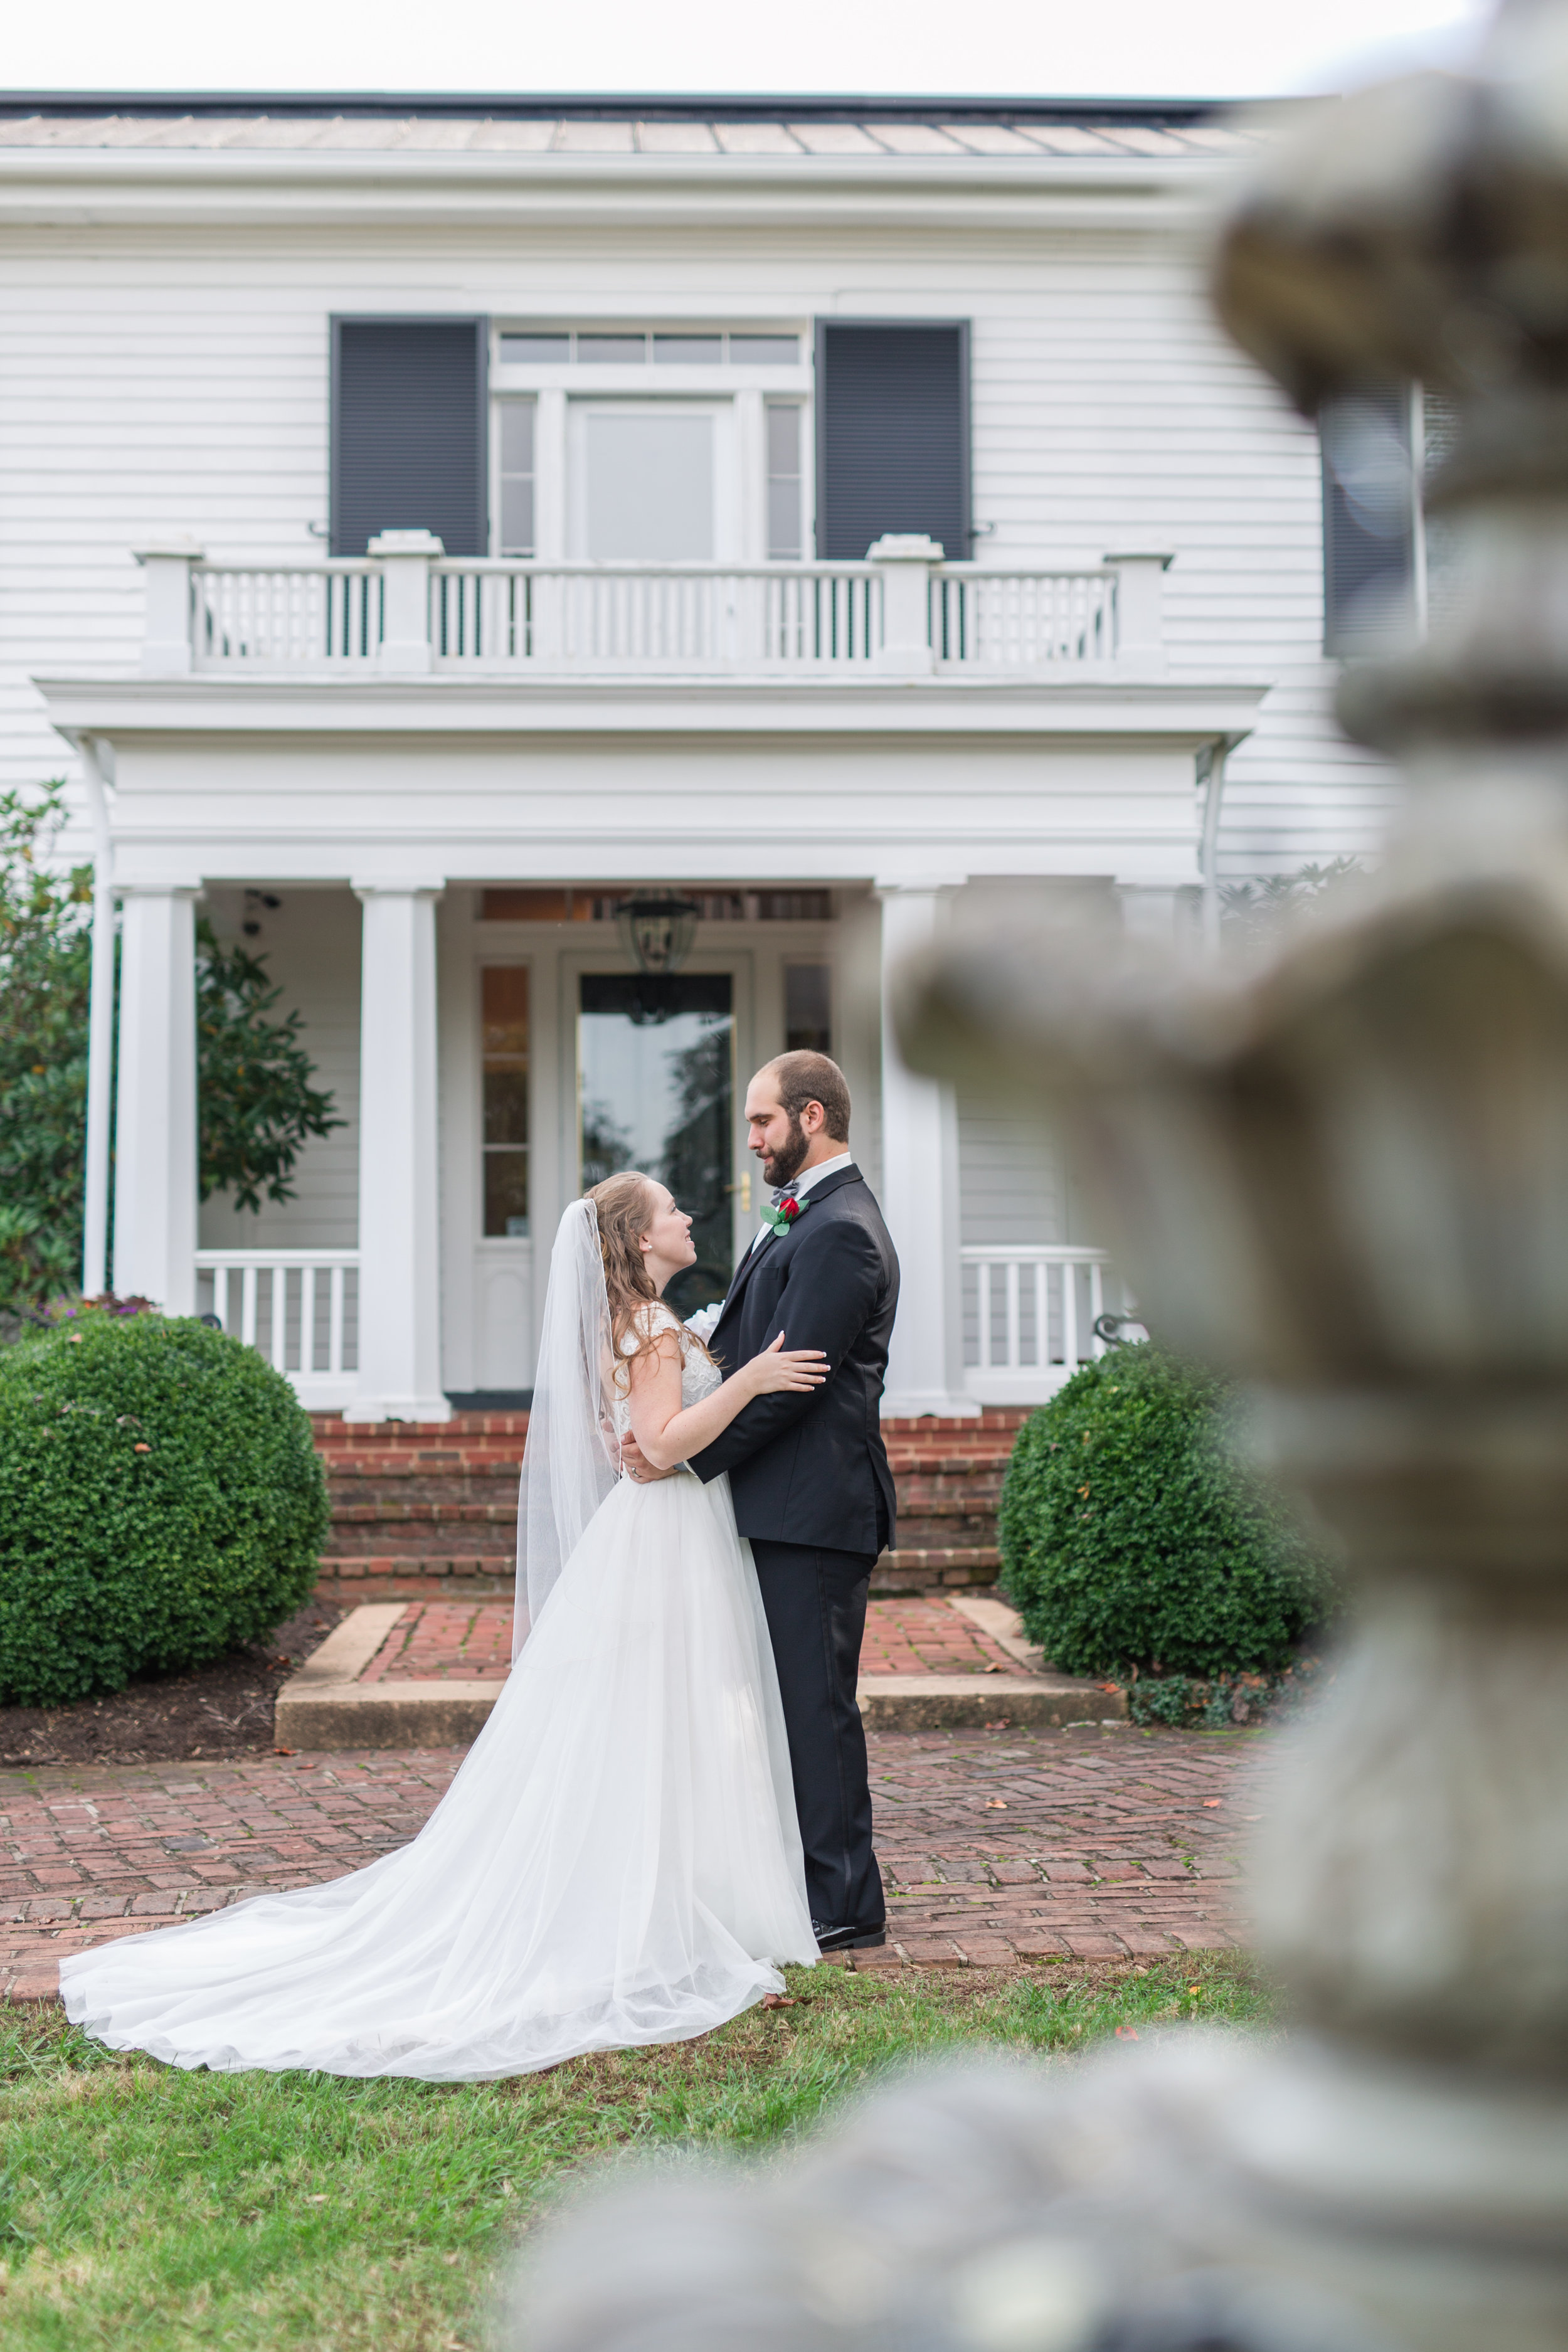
898,1404
434,1407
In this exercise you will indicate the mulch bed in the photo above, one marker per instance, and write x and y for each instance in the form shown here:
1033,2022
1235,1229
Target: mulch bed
218,1710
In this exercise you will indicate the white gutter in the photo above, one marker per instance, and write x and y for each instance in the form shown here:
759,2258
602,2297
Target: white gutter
101,1028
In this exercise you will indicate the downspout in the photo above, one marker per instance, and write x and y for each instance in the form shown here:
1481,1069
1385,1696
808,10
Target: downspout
1211,774
100,1029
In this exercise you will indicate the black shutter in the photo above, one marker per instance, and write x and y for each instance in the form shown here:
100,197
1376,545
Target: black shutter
892,435
1369,521
408,431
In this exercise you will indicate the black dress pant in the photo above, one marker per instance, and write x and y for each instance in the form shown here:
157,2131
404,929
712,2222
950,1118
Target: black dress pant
816,1605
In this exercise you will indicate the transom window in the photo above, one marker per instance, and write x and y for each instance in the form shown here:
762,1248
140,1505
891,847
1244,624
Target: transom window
595,347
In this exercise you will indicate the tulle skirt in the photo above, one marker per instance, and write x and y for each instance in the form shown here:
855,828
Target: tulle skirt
616,1862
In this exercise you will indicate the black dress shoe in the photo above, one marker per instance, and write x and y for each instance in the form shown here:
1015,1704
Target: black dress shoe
846,1939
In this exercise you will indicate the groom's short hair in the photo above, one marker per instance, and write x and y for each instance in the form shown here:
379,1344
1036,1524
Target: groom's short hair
811,1078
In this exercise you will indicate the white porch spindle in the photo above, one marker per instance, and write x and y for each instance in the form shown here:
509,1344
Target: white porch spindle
399,1231
155,1158
1018,1357
920,1187
1069,1314
292,1276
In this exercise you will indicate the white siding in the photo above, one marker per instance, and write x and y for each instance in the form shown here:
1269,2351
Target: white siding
176,380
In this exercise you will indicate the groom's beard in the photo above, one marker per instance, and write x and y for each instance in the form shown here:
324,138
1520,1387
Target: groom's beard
787,1164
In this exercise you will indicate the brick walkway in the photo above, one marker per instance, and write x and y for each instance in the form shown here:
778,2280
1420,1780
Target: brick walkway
471,1642
995,1845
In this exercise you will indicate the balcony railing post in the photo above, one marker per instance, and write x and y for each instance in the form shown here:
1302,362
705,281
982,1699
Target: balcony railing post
166,648
405,558
909,560
1139,609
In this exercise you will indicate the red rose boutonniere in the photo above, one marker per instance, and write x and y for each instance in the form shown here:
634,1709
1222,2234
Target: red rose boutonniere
782,1218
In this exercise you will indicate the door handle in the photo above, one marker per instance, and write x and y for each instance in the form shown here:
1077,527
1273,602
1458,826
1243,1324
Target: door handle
745,1188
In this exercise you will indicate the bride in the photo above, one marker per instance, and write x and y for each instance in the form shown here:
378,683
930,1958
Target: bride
618,1860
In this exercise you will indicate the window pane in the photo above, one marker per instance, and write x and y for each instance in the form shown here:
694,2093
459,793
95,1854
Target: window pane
517,436
517,514
552,350
606,350
506,1104
784,437
650,487
506,1195
657,1070
687,350
808,998
783,521
505,1009
765,351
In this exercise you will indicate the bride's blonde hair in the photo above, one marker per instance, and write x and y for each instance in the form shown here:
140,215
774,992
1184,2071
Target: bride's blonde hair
624,1206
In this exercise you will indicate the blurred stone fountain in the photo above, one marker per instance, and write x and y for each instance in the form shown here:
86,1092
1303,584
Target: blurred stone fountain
1344,1176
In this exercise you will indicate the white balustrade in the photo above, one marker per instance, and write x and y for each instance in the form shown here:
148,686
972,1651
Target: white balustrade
328,616
669,617
827,621
300,1307
1023,620
1029,1314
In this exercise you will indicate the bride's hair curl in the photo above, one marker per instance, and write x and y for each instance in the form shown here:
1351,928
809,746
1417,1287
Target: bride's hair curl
624,1206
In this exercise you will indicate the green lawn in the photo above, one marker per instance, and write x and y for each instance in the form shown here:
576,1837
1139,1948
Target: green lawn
144,2208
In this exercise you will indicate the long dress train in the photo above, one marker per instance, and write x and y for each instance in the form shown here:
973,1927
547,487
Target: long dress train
617,1861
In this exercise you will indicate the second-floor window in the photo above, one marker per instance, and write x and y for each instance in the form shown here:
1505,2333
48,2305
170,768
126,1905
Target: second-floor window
649,446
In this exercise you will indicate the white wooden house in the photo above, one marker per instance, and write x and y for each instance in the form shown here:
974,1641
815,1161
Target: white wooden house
424,529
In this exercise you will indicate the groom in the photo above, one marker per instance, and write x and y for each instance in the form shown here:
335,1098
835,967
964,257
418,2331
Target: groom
809,1472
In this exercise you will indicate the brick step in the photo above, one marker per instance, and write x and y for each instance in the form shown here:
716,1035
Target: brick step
352,1577
350,1489
432,1507
410,1524
487,1441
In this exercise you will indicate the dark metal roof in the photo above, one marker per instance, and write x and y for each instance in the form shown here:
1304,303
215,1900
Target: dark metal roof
615,107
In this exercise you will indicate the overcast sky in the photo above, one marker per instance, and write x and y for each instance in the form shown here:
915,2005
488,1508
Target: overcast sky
1027,48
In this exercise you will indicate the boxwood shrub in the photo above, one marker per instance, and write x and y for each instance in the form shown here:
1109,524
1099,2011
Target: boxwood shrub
161,1501
1130,1542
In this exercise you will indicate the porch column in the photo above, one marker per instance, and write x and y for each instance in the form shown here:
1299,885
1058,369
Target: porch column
155,1121
919,1186
399,1230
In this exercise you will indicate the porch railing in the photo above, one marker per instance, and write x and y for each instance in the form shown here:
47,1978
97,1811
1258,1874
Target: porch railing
299,1308
406,609
1029,1314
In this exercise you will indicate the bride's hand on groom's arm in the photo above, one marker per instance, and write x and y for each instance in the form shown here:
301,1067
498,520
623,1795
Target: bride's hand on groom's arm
783,1371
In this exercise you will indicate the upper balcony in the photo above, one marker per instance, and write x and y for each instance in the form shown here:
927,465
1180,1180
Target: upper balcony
406,610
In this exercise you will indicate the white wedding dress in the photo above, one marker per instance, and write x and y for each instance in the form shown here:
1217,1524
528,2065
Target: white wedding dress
616,1862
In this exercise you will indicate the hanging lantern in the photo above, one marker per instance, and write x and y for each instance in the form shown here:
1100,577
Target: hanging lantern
657,930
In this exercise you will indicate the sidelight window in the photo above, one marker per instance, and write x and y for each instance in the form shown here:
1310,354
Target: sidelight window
504,1080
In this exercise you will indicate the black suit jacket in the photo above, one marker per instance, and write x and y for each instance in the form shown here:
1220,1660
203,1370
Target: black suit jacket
812,1468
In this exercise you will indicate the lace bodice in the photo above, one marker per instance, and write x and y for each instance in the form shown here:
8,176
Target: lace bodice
699,1376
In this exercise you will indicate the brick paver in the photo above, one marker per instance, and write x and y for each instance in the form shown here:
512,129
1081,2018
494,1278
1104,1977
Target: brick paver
471,1641
445,1640
1087,1841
